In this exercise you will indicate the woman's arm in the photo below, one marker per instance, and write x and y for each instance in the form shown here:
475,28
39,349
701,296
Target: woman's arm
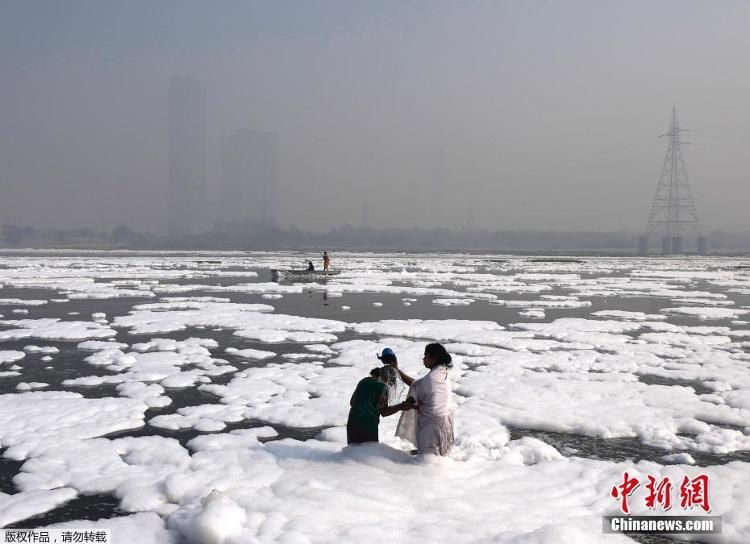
386,410
408,380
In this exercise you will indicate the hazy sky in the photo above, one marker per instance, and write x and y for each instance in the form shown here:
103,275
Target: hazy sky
517,108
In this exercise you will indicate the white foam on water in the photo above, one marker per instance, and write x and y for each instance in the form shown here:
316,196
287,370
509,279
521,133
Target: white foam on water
452,301
21,302
11,356
534,314
31,422
707,313
250,321
19,506
54,329
159,360
41,349
572,375
24,386
629,316
257,354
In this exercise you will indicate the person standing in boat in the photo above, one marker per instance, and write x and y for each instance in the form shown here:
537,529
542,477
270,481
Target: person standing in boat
326,261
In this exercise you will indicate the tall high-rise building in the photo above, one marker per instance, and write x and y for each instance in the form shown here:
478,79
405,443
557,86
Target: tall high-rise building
249,177
187,156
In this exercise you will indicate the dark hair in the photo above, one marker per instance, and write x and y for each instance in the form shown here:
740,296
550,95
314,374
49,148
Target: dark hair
441,355
375,372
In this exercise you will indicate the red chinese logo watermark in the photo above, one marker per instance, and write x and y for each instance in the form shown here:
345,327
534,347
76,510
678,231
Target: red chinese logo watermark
693,492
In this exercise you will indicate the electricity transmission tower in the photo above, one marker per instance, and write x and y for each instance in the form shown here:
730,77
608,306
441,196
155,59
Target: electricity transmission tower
673,210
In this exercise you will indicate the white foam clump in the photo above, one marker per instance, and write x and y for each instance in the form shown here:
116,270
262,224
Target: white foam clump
189,346
299,356
132,468
446,329
249,353
151,394
220,520
707,313
319,348
30,422
23,505
54,329
19,311
566,302
453,301
159,360
346,307
533,313
266,393
629,316
41,349
21,302
272,296
679,458
99,317
206,417
98,345
11,356
250,321
28,386
194,299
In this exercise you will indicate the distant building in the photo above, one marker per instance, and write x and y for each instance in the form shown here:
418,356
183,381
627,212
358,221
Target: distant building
249,177
186,196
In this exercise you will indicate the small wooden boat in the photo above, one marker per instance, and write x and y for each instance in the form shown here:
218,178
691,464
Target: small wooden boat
301,274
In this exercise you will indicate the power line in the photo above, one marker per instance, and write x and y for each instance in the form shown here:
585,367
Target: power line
595,154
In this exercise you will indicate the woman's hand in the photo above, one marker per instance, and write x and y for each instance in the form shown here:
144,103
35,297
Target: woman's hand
409,403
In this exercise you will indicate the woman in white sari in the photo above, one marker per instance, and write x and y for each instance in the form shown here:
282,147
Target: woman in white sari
432,429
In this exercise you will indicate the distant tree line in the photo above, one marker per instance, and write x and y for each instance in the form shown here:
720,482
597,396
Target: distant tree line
250,235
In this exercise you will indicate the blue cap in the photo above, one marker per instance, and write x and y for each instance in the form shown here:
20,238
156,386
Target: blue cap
387,352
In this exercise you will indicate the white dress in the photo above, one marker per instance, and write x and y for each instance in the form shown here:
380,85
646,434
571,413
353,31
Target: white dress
430,427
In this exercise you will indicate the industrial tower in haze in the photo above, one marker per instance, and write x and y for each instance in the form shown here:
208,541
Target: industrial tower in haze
673,213
186,194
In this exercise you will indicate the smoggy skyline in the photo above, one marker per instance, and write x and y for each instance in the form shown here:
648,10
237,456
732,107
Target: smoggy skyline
529,115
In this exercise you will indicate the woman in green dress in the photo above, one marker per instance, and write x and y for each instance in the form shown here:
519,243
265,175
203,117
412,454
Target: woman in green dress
368,403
